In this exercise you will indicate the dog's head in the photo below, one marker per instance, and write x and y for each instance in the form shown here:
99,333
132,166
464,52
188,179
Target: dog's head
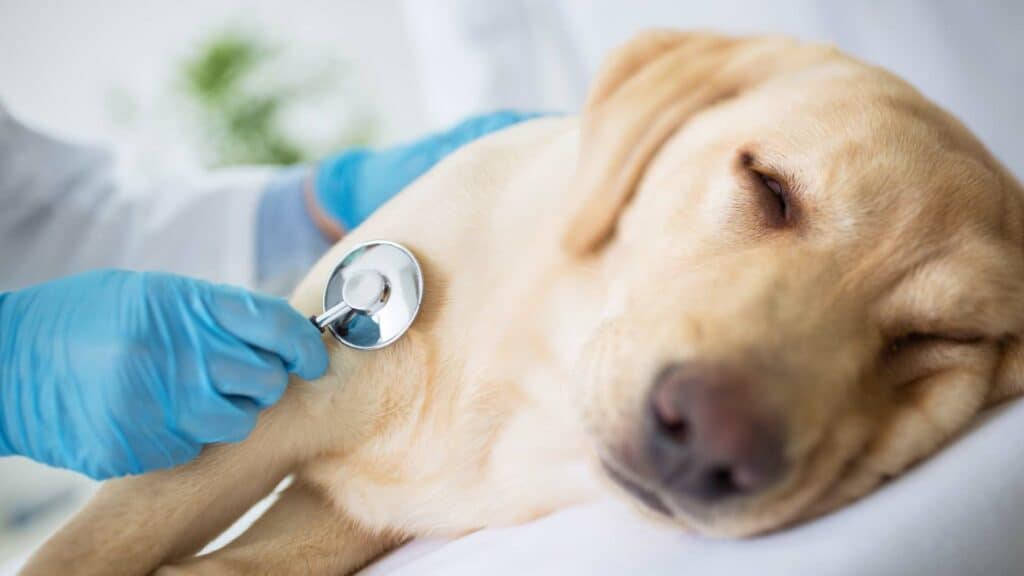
815,277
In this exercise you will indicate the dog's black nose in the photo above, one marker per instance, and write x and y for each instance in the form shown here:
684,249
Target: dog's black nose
709,437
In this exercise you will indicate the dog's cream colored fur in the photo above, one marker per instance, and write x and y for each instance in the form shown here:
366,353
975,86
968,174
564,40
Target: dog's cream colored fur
557,285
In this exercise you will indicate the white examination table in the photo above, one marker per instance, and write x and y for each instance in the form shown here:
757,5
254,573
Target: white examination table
961,513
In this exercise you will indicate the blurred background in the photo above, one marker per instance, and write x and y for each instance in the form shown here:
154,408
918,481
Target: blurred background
187,87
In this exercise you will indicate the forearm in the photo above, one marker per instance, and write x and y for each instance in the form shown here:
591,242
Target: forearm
328,226
291,230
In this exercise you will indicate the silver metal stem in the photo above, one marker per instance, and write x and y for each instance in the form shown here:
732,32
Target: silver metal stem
337,312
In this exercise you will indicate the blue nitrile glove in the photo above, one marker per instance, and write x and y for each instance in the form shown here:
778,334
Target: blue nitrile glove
351,185
112,373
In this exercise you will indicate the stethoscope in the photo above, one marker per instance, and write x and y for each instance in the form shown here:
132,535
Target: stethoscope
372,295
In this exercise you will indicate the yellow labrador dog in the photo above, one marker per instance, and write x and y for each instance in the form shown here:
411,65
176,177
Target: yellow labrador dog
755,279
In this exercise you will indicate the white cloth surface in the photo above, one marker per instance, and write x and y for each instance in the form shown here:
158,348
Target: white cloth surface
959,513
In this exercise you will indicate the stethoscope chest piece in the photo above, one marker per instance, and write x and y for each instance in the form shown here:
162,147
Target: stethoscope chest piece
372,295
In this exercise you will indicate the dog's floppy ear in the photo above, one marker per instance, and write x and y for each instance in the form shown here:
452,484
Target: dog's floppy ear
644,92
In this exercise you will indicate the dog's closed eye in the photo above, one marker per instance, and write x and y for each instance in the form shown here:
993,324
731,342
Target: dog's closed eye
910,357
774,197
915,340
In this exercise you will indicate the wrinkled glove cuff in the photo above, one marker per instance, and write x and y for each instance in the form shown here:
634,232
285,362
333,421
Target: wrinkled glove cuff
288,241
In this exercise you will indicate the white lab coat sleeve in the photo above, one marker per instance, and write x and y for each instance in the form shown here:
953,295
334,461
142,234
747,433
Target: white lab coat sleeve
63,210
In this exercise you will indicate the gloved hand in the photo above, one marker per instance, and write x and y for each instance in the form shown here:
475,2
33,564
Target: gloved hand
111,373
350,186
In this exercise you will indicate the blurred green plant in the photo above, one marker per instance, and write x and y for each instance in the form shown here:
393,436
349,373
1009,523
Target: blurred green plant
243,95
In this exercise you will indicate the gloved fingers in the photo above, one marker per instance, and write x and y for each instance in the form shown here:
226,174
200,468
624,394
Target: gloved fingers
217,418
107,455
272,325
125,443
242,421
247,372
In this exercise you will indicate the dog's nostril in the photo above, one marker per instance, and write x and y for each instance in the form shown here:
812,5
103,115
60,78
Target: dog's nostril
722,481
668,413
722,476
677,430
